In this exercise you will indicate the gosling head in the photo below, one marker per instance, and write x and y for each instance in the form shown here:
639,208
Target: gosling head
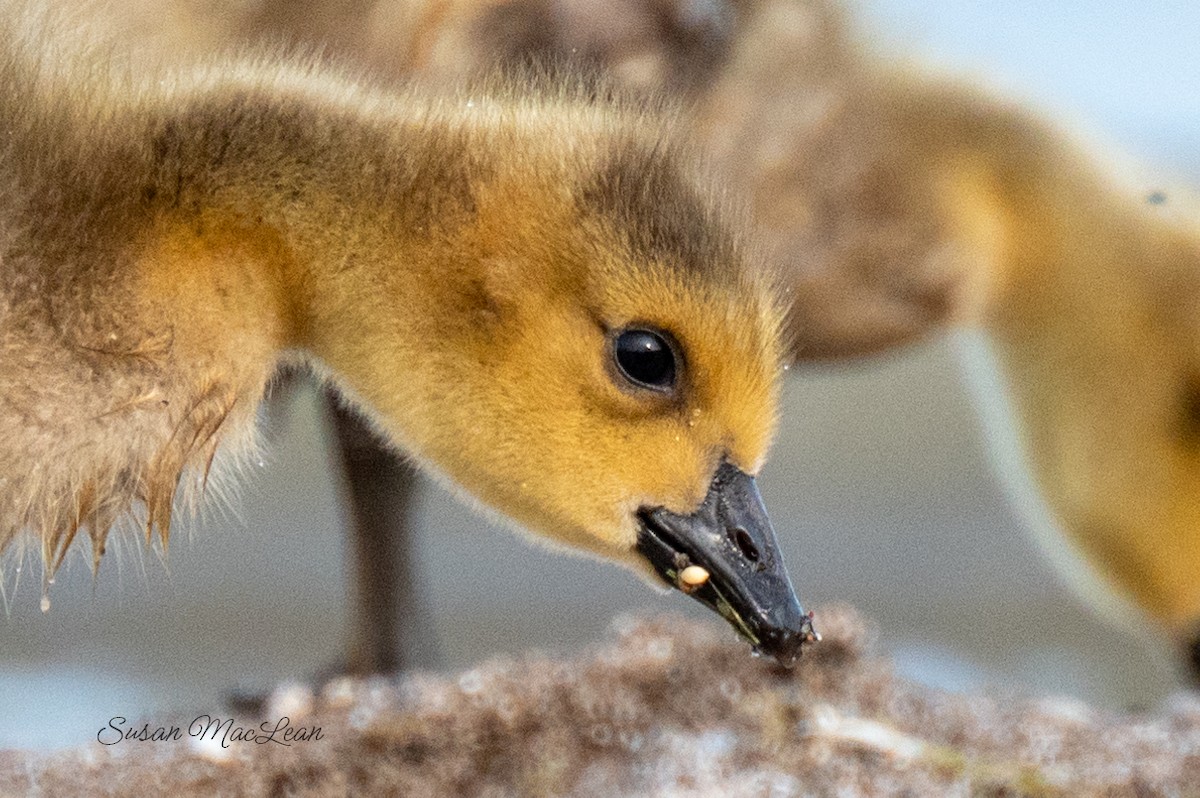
592,356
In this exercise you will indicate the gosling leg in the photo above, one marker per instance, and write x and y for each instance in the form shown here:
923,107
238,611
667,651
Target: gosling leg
1192,655
390,629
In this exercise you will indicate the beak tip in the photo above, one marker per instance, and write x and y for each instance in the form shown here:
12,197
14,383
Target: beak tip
786,645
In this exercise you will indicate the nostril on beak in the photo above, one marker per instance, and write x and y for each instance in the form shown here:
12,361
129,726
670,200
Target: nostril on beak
742,538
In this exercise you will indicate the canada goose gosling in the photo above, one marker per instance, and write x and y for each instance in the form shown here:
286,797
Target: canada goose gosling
534,297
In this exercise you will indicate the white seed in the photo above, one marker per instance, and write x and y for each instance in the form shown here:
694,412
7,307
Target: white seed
693,576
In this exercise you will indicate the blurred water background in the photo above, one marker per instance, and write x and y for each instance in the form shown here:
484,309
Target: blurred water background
881,484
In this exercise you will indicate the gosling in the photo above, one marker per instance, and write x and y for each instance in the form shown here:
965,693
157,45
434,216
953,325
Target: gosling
532,294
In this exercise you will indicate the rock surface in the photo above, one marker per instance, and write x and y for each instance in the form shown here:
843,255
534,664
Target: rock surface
667,708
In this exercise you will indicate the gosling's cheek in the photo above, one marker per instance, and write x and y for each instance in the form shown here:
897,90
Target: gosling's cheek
624,535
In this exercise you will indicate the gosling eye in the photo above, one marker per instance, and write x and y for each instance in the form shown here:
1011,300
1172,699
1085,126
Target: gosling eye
645,358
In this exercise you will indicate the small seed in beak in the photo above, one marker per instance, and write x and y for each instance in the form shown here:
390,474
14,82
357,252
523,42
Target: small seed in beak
693,576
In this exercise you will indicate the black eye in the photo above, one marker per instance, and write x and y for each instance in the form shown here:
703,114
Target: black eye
645,359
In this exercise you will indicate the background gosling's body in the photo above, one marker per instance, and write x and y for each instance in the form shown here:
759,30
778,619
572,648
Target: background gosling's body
455,266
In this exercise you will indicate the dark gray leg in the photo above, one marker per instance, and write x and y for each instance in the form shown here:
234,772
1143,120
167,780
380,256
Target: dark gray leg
390,628
1193,655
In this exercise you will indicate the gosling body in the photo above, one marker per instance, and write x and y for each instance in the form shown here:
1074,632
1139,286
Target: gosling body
456,265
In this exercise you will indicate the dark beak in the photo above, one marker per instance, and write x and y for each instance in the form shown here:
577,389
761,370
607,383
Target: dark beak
730,538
